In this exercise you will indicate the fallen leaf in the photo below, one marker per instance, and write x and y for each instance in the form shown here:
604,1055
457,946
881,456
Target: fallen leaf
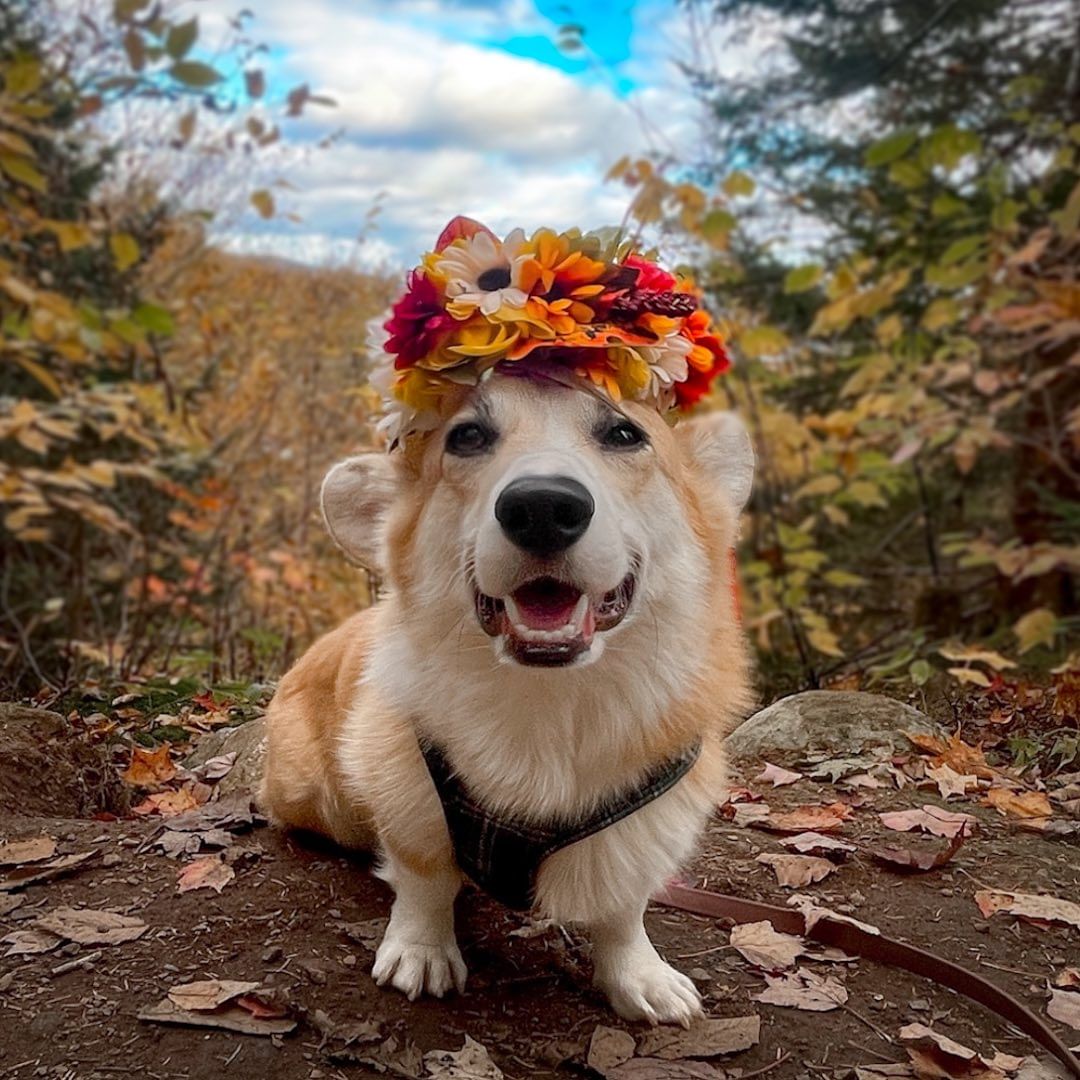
349,1032
1030,804
231,1018
931,819
471,1062
208,872
266,1003
749,813
960,756
208,993
216,767
902,858
777,776
648,1068
862,780
1028,906
1064,1007
812,843
766,947
795,871
9,903
167,803
835,769
29,942
803,989
936,1055
174,844
873,1072
1006,1063
234,814
407,1061
91,927
812,913
368,933
609,1047
36,874
1069,978
17,852
950,782
702,1039
149,767
827,818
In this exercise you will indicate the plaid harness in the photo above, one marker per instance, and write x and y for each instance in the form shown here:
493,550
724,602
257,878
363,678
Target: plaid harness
503,855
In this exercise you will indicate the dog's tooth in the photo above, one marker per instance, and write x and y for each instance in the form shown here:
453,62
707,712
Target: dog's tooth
577,620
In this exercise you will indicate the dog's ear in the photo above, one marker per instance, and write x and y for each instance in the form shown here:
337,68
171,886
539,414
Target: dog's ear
718,446
356,495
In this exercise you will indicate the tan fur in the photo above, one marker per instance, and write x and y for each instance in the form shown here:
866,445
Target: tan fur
344,759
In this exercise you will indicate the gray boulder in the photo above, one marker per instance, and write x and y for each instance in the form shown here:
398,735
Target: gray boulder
248,741
830,722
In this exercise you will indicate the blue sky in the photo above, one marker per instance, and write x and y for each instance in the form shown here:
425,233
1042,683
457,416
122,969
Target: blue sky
460,106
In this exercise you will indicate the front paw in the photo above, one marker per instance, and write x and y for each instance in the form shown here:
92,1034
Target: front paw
646,988
415,968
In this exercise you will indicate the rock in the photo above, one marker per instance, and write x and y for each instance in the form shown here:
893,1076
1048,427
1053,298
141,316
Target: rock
828,721
248,742
48,770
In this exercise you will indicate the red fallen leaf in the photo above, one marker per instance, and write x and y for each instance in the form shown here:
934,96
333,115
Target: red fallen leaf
206,701
262,1007
1036,908
149,767
914,859
105,815
827,818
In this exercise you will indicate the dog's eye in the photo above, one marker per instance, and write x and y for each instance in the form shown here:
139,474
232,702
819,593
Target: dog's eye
469,438
622,435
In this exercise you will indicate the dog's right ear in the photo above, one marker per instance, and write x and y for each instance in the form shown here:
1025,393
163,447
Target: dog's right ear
356,495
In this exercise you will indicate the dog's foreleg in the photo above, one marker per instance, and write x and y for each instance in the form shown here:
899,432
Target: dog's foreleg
419,953
629,970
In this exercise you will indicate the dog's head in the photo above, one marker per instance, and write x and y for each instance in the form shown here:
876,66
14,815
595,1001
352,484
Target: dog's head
548,523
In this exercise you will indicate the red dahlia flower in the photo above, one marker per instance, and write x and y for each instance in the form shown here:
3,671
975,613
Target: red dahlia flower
707,359
419,322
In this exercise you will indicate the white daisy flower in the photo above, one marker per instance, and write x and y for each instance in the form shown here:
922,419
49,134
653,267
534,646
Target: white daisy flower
483,272
667,366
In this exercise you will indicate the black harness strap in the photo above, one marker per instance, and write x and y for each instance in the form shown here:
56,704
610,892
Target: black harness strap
502,855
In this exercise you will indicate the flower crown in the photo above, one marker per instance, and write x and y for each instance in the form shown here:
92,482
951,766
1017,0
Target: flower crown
557,300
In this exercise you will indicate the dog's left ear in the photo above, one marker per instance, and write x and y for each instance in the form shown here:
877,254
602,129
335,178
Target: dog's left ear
719,447
356,496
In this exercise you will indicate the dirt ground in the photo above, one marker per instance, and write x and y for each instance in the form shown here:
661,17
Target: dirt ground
72,1012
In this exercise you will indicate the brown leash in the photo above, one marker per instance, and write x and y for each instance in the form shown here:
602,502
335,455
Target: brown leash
875,947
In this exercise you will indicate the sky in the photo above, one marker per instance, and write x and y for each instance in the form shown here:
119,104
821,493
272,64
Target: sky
459,106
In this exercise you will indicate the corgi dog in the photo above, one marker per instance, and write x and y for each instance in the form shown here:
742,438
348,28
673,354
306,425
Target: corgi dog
559,626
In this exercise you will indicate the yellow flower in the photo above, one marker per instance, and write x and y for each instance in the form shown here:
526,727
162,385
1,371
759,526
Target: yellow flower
480,338
420,390
547,262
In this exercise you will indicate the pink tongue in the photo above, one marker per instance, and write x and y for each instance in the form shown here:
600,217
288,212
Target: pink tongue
546,604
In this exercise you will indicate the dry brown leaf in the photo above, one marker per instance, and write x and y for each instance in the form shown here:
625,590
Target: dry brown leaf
209,993
18,852
917,859
471,1062
1064,1007
777,776
762,945
795,871
1068,978
649,1068
950,782
812,913
749,813
1029,804
803,989
29,942
609,1047
703,1039
168,803
368,933
149,767
954,752
931,819
828,818
937,1056
230,1018
812,843
208,872
1028,906
9,902
39,872
91,927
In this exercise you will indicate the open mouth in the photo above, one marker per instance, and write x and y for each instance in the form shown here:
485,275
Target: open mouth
548,623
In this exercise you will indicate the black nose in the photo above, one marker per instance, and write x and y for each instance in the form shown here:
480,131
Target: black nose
544,515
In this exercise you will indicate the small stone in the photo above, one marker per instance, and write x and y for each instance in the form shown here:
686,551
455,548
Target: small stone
946,892
699,974
919,1004
273,954
350,960
112,859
